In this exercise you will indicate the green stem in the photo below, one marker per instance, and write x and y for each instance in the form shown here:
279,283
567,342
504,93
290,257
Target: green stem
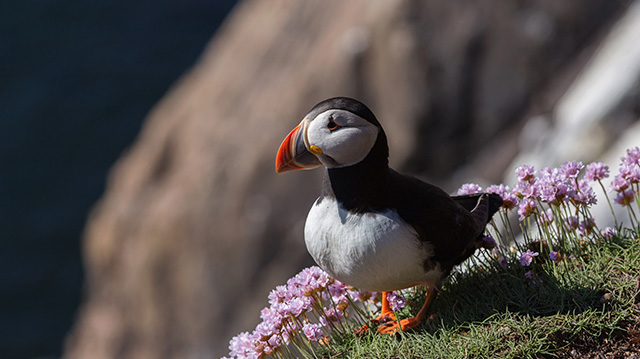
613,214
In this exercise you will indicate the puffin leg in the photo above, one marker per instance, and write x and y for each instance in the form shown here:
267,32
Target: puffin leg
386,314
409,323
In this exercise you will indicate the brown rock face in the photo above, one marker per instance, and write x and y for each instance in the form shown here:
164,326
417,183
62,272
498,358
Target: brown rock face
196,227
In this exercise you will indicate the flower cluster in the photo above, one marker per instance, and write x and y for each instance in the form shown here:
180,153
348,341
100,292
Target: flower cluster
626,183
527,257
553,186
553,205
396,301
311,304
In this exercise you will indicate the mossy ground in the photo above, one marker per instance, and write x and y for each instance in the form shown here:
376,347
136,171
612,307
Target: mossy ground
584,306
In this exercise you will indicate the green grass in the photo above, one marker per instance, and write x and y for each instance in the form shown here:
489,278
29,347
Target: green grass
494,312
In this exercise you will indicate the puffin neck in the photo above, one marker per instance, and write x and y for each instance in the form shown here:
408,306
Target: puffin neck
360,187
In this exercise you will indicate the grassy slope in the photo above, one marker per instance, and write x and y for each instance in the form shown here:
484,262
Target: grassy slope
579,307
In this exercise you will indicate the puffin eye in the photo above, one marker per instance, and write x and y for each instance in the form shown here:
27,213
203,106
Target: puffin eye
332,125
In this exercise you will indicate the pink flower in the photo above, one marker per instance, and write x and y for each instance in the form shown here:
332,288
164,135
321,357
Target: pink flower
526,208
487,242
274,342
360,295
313,332
553,187
469,188
630,172
272,320
502,261
299,306
337,289
527,257
279,295
584,194
525,190
525,173
633,156
266,329
624,198
619,184
282,309
244,345
309,281
396,301
331,315
609,232
571,169
596,171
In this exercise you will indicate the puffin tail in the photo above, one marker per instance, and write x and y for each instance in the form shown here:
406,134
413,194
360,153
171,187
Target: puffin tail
481,205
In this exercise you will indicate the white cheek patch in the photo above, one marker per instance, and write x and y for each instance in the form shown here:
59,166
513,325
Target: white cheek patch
347,145
350,145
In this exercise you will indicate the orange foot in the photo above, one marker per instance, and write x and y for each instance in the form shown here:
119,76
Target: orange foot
385,317
403,325
394,325
386,314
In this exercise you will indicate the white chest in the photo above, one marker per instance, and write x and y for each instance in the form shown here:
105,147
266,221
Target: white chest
377,252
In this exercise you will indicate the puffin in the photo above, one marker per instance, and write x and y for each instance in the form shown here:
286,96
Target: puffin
371,227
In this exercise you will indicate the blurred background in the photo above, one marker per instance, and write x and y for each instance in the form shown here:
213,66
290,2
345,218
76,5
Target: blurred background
141,215
76,81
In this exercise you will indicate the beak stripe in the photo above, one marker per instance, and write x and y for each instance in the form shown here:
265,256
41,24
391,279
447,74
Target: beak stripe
293,153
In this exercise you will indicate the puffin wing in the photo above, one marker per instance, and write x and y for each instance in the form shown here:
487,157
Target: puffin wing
446,227
450,226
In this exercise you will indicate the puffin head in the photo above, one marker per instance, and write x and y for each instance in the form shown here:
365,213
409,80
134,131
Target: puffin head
338,132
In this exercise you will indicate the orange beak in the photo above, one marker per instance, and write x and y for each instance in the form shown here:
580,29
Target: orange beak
293,153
